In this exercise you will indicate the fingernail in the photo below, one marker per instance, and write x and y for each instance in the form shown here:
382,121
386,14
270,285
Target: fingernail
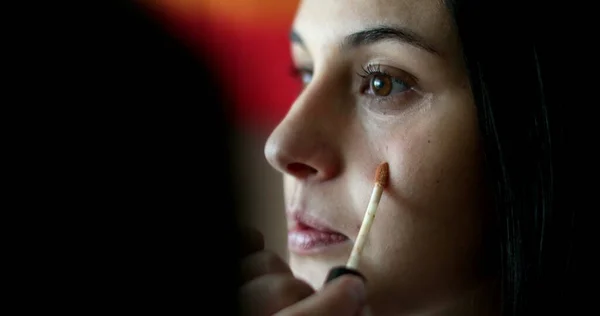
357,288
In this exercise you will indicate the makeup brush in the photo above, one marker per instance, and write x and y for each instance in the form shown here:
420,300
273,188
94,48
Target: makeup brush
381,181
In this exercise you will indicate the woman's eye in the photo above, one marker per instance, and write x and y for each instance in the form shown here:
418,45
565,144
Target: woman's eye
382,85
303,74
306,77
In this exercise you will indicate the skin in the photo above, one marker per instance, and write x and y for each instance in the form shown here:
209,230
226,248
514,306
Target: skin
270,288
415,111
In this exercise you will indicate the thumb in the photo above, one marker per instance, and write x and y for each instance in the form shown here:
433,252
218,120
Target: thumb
345,295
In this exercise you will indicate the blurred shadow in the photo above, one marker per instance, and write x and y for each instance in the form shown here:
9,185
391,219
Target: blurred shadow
146,161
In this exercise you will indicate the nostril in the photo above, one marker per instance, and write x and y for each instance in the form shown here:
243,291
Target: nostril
301,170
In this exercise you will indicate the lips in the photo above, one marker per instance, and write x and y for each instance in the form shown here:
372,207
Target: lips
309,235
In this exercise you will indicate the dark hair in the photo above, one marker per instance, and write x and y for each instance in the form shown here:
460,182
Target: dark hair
505,53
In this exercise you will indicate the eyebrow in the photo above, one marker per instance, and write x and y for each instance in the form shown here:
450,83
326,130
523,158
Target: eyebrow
378,34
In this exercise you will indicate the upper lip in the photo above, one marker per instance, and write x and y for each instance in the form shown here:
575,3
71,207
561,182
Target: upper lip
304,218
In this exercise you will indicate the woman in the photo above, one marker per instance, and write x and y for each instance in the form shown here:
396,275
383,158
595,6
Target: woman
450,94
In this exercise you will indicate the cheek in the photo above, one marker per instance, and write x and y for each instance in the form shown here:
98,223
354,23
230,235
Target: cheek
288,187
430,216
436,166
434,203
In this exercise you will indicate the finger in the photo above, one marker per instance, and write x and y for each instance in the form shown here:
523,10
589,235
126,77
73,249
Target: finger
270,293
342,296
252,240
263,262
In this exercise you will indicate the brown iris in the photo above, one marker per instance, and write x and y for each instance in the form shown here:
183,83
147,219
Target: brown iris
381,85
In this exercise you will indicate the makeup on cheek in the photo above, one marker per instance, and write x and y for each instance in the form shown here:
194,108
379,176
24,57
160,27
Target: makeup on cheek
351,267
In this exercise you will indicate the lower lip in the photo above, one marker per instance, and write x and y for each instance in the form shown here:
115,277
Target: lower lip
310,241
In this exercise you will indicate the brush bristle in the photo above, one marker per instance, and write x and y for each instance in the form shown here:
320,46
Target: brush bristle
382,174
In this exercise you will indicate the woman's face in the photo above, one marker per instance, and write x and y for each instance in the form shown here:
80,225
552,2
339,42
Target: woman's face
384,82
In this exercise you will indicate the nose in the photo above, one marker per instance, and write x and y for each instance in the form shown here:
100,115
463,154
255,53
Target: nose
306,144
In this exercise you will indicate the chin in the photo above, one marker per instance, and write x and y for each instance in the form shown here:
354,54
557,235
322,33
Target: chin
313,270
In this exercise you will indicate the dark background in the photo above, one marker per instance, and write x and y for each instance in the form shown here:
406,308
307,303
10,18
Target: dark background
124,156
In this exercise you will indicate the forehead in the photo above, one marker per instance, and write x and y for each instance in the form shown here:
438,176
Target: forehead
323,22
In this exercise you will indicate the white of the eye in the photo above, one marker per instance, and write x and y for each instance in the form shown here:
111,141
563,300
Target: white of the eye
397,85
306,77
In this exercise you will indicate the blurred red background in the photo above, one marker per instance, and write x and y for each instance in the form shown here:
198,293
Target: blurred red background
246,43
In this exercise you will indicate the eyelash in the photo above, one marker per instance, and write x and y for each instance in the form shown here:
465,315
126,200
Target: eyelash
367,74
372,70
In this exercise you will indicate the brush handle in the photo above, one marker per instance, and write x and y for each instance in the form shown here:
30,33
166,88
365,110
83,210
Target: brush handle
365,227
337,272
